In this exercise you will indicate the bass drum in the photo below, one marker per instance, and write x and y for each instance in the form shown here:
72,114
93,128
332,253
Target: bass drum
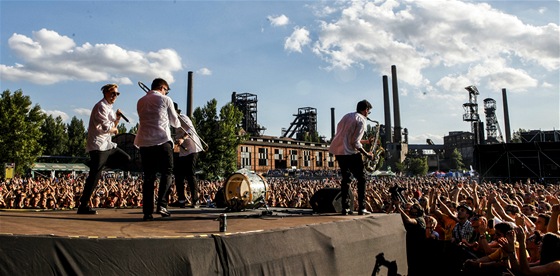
245,191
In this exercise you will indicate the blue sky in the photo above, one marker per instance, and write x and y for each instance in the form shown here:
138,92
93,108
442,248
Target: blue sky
291,54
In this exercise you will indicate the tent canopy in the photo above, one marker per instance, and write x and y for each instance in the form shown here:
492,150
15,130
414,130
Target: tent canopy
60,167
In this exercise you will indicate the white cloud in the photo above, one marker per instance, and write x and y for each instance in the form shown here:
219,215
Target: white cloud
82,111
56,113
277,21
49,58
469,42
298,39
204,71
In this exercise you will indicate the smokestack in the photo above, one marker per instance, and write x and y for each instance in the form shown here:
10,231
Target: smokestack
332,124
387,109
396,108
189,95
506,116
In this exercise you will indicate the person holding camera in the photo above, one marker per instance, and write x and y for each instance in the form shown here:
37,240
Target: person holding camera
415,225
347,148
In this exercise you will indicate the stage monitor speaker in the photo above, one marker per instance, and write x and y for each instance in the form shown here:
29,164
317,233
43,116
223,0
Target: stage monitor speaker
329,200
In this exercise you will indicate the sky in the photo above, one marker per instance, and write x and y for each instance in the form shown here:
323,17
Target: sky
292,54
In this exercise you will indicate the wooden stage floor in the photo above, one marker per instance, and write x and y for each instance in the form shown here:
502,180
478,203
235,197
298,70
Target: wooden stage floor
184,222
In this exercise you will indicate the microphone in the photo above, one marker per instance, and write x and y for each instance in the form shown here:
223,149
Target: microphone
124,117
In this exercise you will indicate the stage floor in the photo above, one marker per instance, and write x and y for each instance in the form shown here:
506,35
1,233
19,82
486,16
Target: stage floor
184,222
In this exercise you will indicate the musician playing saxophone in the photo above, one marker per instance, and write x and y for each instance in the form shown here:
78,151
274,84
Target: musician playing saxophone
347,148
189,147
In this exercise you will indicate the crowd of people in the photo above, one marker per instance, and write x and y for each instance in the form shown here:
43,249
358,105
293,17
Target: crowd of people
473,219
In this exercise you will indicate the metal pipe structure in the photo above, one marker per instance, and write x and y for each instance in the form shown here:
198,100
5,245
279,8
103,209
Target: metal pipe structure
506,116
396,107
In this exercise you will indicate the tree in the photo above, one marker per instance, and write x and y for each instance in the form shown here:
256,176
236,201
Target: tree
456,160
134,129
76,138
121,128
20,126
221,134
416,164
55,137
517,136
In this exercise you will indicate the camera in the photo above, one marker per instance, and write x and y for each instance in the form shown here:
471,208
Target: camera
396,193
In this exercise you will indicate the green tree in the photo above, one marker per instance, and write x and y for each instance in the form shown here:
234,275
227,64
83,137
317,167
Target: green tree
516,137
121,128
221,134
416,165
55,137
20,126
456,161
134,129
76,138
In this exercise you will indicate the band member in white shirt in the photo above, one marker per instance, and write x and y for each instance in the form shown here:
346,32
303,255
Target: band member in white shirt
103,152
157,114
189,146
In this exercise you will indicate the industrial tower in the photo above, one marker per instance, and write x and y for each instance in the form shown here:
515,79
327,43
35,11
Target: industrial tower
492,126
471,115
247,104
305,124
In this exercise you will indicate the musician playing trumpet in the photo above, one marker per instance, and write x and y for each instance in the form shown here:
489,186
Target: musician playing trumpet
347,146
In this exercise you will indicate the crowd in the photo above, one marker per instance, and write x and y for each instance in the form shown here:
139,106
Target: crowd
506,223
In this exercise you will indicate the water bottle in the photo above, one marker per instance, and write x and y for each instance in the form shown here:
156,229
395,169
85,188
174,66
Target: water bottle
223,222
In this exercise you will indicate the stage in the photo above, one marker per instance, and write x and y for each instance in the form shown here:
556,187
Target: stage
283,241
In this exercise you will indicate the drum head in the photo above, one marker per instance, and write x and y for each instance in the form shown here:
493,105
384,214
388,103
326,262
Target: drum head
243,191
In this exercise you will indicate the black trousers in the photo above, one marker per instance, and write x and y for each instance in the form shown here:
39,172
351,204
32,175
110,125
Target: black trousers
114,158
184,169
352,165
156,159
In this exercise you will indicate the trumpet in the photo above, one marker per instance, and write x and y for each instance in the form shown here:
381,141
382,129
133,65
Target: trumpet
375,148
204,147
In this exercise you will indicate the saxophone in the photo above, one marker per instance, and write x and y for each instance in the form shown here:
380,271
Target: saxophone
375,148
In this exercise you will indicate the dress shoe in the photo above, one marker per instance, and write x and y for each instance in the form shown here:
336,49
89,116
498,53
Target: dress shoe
362,212
163,212
347,212
180,204
86,211
148,218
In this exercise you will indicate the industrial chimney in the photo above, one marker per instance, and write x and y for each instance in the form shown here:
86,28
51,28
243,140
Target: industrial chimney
506,116
387,110
190,94
332,124
396,107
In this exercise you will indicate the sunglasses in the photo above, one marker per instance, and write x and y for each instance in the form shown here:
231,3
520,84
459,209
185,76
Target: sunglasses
115,94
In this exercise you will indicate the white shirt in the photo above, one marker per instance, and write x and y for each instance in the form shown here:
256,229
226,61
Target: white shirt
156,113
349,133
101,121
191,144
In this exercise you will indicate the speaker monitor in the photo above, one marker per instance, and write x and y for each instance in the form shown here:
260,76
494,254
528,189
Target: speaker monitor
329,200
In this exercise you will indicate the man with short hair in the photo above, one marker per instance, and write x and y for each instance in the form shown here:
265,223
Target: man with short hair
348,150
103,152
157,114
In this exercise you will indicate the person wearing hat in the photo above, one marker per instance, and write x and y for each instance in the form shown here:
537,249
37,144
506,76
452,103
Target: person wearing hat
347,147
103,123
463,230
157,114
